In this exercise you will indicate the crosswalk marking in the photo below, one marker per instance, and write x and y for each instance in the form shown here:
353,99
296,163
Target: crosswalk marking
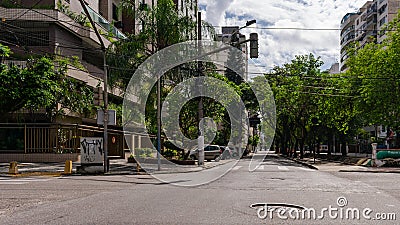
17,181
282,168
306,169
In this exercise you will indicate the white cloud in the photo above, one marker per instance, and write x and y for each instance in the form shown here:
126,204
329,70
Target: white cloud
280,46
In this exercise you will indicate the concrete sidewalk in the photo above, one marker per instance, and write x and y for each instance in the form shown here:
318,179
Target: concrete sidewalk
342,166
117,167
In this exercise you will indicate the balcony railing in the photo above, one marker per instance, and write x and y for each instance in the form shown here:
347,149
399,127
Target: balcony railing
371,11
97,18
348,30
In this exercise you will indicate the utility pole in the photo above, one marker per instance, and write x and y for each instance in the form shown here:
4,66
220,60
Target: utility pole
103,48
158,124
200,144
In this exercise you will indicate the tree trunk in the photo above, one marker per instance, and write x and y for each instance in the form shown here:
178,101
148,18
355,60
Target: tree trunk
296,146
343,149
330,144
301,148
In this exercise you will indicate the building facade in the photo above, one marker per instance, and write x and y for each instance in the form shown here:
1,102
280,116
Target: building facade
366,25
347,36
386,11
59,27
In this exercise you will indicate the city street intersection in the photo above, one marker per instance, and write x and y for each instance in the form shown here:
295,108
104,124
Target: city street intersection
142,199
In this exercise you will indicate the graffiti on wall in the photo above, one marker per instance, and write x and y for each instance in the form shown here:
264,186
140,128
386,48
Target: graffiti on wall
91,150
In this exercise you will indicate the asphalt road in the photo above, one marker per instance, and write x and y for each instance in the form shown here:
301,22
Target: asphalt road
142,199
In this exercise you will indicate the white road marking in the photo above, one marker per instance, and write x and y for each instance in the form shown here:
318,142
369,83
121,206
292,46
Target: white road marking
306,169
17,181
283,168
261,167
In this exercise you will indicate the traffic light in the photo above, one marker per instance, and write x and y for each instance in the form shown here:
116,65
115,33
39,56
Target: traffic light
253,45
98,96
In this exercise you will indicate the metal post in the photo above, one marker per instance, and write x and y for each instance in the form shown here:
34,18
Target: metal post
103,48
159,124
105,142
374,147
200,144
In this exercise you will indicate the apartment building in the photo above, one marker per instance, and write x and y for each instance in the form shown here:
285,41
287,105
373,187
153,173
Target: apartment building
366,25
59,27
347,36
50,27
187,8
386,11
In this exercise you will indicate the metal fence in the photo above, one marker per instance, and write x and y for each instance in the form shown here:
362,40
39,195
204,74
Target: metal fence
54,138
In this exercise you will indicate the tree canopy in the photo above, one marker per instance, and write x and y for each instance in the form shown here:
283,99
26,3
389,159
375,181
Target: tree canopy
42,84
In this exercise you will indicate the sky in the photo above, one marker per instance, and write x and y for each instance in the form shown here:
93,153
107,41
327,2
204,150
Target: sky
279,46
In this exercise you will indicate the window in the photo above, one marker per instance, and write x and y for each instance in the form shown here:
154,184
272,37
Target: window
382,9
114,12
382,21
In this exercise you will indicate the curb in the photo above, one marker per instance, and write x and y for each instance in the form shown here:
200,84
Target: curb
369,171
34,174
301,162
114,173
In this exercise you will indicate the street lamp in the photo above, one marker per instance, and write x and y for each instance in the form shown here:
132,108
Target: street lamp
250,22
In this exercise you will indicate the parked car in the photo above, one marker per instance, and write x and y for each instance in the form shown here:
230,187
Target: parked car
227,152
211,152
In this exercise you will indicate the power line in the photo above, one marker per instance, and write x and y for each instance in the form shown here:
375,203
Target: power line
329,95
44,39
29,9
56,19
309,29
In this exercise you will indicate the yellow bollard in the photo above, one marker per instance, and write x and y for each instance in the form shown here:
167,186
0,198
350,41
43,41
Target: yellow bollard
138,168
13,168
68,167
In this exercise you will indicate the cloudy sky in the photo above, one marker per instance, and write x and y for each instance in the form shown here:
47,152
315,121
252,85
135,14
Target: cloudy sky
279,46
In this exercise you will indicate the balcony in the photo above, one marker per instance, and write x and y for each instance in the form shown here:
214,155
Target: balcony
44,15
371,11
348,30
347,40
372,33
369,25
361,35
105,24
348,18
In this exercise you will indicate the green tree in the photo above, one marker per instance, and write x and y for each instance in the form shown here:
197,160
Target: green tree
313,107
163,26
374,71
42,84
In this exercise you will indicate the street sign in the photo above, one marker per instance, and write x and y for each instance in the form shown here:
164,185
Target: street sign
112,117
91,150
